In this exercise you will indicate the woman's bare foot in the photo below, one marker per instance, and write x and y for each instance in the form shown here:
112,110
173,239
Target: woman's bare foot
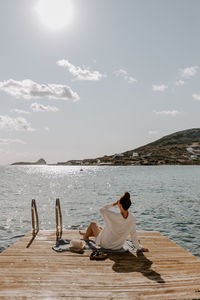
145,250
81,233
85,238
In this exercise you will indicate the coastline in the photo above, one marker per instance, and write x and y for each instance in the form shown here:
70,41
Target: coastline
179,148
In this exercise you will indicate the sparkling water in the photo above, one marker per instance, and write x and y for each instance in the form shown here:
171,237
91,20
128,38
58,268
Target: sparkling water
165,198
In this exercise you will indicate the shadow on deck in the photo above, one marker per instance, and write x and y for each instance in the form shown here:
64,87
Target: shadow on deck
128,262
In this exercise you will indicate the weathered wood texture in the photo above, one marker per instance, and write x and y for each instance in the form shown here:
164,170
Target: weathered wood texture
166,272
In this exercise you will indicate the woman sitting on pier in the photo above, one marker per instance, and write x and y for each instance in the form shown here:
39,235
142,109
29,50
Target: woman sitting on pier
117,226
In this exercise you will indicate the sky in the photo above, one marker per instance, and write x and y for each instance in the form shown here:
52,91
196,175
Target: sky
82,79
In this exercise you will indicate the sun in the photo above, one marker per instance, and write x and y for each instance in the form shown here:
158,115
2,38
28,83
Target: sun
56,14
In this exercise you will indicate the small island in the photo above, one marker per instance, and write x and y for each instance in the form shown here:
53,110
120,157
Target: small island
41,161
179,148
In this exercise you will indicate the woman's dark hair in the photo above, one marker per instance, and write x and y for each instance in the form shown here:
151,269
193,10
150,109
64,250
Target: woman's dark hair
125,200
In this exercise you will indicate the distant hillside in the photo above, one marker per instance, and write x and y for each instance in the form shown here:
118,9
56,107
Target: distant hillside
182,148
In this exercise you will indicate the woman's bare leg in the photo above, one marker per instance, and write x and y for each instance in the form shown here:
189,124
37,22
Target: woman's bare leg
93,230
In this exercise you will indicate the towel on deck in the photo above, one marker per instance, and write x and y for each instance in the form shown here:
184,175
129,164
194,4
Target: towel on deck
63,245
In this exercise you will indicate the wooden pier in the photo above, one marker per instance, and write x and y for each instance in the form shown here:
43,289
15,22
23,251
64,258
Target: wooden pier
166,272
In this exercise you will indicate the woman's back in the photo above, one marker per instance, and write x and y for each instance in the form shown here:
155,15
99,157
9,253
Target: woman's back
116,228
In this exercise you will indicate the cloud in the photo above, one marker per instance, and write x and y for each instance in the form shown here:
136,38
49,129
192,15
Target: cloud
29,89
46,128
196,96
167,112
131,79
40,107
159,88
80,73
189,72
124,74
153,132
18,124
20,111
180,82
121,72
10,141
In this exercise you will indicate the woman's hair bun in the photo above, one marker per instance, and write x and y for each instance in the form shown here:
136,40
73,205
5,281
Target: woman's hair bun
125,200
127,195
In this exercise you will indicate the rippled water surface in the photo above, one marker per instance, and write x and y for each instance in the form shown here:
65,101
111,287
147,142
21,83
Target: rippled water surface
165,198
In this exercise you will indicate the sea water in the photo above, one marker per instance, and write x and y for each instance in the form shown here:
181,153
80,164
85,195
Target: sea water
164,198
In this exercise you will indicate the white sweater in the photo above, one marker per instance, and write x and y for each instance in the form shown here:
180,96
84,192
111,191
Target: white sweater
116,229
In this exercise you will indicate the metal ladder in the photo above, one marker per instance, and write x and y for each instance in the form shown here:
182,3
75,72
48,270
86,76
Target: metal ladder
35,219
58,220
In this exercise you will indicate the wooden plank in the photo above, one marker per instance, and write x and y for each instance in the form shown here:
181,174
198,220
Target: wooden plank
166,272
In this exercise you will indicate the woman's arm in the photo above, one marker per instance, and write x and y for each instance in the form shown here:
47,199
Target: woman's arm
116,203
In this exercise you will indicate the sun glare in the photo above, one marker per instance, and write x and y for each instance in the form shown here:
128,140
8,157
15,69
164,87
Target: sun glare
56,14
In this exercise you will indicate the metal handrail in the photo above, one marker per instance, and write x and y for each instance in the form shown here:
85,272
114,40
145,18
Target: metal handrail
58,225
34,215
